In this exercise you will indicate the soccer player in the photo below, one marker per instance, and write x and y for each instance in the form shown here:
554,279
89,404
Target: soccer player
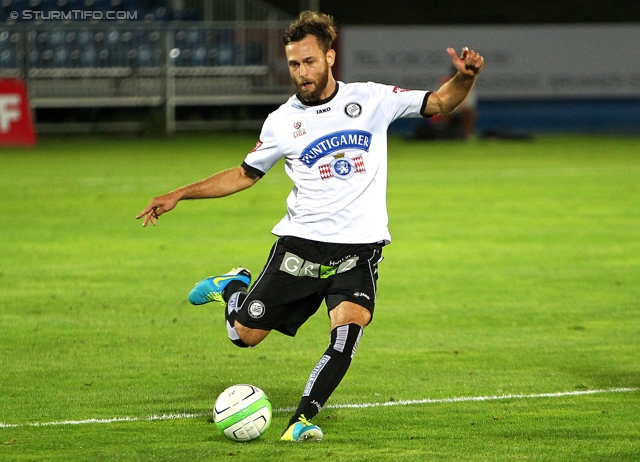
333,137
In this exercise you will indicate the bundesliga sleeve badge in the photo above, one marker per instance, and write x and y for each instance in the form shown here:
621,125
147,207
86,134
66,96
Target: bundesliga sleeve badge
342,167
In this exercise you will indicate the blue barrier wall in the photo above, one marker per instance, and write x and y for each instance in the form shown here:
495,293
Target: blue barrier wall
557,116
576,116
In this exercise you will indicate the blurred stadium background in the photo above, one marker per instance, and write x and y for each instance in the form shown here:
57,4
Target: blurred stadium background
168,65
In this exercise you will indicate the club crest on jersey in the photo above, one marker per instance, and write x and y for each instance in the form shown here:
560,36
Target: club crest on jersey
337,141
342,167
353,110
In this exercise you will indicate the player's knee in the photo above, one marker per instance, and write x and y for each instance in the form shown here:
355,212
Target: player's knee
234,337
239,343
349,313
250,337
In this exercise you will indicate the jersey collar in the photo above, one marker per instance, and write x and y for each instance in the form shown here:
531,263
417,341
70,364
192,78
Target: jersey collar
322,101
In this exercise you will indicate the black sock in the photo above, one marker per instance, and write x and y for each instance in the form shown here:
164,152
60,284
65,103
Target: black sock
231,313
232,288
329,371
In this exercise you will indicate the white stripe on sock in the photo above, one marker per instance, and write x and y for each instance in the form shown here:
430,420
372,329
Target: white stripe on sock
314,374
231,332
341,337
232,304
355,345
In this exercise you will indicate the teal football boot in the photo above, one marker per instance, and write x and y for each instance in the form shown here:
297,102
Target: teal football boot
210,289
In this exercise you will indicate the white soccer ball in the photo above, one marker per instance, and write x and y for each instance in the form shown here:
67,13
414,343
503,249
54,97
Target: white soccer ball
242,413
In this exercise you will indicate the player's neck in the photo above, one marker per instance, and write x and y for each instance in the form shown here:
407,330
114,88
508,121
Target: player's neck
327,95
330,89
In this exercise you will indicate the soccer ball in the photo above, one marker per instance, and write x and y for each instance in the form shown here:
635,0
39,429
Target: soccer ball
242,413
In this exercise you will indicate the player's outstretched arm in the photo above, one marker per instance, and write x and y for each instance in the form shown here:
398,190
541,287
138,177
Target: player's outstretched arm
454,91
219,185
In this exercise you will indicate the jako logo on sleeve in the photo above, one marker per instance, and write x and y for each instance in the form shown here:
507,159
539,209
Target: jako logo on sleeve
345,139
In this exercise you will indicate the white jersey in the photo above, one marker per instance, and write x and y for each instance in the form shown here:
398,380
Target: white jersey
336,155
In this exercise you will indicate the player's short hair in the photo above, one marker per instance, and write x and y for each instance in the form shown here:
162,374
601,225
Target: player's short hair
320,25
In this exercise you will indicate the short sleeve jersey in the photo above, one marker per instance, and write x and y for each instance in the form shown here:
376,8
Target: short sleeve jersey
336,154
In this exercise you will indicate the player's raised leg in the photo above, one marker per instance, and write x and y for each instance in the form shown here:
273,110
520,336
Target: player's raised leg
212,289
230,290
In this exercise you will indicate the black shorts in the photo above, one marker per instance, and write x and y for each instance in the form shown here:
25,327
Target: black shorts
300,274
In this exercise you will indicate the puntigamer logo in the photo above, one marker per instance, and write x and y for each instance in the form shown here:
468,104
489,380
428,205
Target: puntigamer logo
345,139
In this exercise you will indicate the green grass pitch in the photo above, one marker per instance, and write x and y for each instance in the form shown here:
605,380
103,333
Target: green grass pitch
515,270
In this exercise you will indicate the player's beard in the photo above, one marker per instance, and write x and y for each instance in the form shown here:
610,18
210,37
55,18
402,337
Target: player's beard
318,86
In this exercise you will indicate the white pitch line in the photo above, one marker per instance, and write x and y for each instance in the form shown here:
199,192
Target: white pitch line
333,406
476,398
105,421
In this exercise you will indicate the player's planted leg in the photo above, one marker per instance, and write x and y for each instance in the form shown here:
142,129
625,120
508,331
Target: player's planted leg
303,430
327,373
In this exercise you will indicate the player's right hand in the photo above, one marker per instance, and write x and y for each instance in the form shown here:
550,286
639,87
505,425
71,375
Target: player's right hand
157,207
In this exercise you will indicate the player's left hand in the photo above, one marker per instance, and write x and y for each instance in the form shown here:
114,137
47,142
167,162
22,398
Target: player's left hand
468,63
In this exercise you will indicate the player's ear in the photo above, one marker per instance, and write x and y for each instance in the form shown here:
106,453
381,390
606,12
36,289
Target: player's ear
331,57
